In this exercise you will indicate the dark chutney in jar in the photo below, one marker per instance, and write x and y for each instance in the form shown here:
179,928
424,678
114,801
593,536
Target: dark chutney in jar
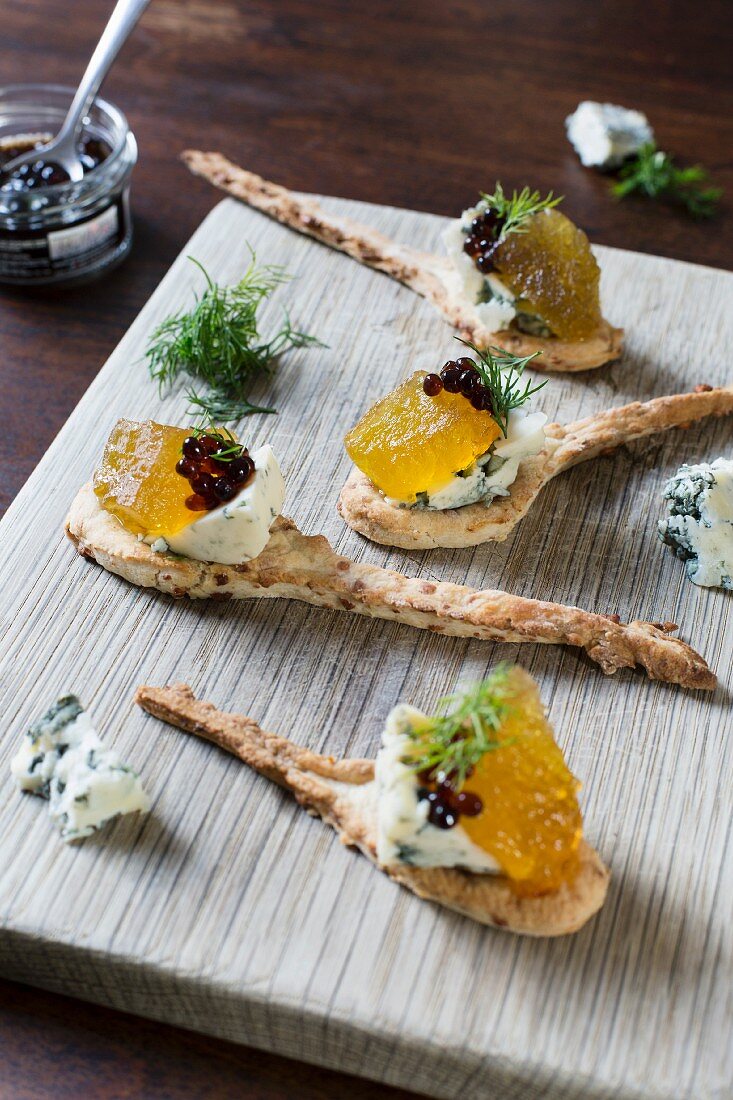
45,173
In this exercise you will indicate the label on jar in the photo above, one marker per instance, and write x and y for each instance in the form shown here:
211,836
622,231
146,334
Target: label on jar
78,239
40,255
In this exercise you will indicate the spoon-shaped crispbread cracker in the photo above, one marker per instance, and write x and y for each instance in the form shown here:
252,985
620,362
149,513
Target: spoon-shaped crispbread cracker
430,276
306,567
343,794
365,509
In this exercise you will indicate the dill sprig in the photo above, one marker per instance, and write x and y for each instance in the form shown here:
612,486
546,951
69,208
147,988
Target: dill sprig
655,175
211,407
229,449
513,211
453,743
218,342
501,374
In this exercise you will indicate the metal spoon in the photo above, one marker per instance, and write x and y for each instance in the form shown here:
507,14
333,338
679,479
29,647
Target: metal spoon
63,148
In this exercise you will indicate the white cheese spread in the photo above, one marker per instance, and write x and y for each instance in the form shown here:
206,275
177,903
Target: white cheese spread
604,135
493,473
491,302
404,834
63,759
238,531
699,528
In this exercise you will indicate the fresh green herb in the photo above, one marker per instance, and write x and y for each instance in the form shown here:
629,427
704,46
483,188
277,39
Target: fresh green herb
454,743
219,343
513,212
228,448
501,373
655,174
220,410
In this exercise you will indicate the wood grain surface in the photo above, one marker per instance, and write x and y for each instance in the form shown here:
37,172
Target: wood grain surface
227,909
388,102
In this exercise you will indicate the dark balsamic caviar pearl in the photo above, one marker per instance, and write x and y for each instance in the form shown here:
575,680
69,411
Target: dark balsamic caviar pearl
467,803
471,247
198,503
485,263
210,444
447,367
422,792
452,379
186,467
192,447
241,469
203,484
441,816
209,465
487,404
432,384
224,489
467,383
466,363
477,400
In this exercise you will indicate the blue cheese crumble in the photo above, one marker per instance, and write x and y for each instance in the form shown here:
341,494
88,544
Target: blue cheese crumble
63,760
604,135
493,473
699,526
404,834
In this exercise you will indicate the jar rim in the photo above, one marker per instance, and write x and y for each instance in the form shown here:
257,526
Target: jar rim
120,129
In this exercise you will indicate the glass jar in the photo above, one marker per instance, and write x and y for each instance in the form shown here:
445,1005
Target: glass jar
67,232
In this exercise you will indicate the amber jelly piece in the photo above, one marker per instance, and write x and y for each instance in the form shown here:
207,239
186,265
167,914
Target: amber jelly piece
137,480
411,442
530,821
550,267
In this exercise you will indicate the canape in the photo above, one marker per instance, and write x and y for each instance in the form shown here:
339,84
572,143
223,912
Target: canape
141,520
518,272
474,809
457,458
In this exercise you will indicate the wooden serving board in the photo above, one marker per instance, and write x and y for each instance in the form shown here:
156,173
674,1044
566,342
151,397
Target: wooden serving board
227,909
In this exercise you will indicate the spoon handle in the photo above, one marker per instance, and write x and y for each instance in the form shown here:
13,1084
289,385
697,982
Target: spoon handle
121,22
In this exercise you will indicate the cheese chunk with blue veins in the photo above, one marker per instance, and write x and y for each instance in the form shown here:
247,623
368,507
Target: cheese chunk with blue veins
604,135
493,474
404,834
63,759
699,527
238,531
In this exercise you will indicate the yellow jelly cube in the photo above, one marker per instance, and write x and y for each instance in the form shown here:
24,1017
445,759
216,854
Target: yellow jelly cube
530,821
410,443
137,479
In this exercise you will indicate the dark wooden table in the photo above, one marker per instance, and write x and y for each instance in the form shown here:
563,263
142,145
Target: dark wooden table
418,104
